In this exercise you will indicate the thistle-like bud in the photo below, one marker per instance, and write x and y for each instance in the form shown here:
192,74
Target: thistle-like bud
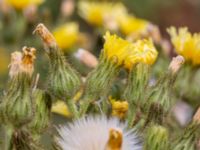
63,81
188,141
101,78
42,111
156,138
17,105
159,98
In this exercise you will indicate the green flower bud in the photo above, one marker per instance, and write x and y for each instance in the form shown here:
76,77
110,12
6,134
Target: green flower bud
134,91
42,111
156,138
99,81
190,137
63,80
17,107
159,99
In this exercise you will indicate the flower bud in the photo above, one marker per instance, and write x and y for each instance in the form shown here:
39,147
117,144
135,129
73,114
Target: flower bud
159,98
63,81
17,102
42,111
156,138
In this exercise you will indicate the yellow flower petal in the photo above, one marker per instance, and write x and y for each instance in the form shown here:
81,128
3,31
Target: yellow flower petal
21,4
186,44
60,108
66,35
115,46
143,51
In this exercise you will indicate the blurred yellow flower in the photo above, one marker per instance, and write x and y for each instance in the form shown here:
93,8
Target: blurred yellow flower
66,35
129,24
21,4
99,13
4,61
186,44
61,108
143,51
115,46
119,108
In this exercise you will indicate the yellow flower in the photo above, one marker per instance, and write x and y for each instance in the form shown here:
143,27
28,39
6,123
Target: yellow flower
186,44
66,35
96,13
115,46
143,51
61,108
21,4
4,61
129,24
119,108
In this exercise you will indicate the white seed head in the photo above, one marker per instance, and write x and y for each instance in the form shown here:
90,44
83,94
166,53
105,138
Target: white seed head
92,133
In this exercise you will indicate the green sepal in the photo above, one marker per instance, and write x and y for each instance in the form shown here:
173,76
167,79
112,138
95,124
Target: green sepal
189,139
156,138
42,116
63,81
17,106
99,82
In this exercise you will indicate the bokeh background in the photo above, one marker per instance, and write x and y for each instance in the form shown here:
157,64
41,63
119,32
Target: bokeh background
14,33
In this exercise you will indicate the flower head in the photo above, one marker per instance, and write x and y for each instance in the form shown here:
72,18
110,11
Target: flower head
143,51
98,133
66,35
22,62
21,4
129,25
114,46
119,108
186,44
98,13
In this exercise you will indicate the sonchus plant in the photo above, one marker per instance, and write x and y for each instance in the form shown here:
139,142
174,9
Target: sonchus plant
100,80
138,61
63,81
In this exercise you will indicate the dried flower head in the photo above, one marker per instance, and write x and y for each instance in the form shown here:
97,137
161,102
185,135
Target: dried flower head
22,62
186,44
16,60
45,35
97,133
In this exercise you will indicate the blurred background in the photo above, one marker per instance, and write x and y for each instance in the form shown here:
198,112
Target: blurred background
17,22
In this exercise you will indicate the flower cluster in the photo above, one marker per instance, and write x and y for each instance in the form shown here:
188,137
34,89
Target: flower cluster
186,44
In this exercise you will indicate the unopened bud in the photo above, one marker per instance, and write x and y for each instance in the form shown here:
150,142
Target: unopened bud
196,117
86,57
67,7
176,63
